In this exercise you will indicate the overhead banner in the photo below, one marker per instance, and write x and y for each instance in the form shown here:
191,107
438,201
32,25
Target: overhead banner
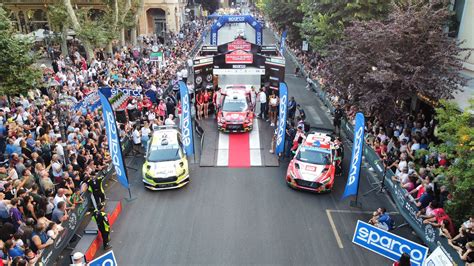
185,120
113,139
239,44
239,57
281,133
387,244
237,19
282,43
352,185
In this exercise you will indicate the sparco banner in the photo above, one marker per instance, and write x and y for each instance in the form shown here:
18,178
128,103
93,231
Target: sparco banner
352,185
115,148
185,120
281,133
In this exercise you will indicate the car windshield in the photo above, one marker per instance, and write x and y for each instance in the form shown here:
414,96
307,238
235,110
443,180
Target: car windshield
313,156
163,153
234,104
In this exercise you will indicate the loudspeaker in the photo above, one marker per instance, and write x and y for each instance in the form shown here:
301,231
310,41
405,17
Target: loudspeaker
121,116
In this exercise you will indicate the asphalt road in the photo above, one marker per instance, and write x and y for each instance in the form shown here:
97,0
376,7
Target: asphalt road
244,216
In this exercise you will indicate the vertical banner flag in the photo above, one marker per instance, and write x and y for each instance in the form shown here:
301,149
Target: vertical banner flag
113,139
281,132
352,185
282,43
185,120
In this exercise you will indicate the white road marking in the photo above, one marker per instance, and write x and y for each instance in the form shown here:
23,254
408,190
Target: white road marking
254,143
315,115
254,140
334,230
223,150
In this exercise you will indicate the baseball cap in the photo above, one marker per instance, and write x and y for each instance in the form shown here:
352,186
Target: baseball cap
77,256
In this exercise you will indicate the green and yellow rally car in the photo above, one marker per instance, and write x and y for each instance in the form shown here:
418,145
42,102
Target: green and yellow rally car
166,165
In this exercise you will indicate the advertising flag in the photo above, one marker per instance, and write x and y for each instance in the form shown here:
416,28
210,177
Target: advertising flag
282,43
185,120
352,185
281,132
113,138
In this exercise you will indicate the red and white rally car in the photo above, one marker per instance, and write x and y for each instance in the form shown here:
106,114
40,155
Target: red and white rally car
235,113
313,167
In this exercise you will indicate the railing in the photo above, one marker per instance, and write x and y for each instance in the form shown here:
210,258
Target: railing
407,209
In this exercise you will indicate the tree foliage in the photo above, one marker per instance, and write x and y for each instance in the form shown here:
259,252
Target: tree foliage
324,20
210,5
285,15
456,133
18,73
379,65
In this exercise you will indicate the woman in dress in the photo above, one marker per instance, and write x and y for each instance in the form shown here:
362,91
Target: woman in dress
273,103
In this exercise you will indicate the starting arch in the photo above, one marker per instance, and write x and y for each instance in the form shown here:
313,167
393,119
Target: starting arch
237,19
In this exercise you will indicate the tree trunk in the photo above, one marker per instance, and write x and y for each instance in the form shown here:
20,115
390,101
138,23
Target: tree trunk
128,6
64,49
72,15
122,37
137,17
77,27
133,35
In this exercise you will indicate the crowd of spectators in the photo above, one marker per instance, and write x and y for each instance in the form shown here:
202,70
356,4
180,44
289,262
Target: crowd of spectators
49,149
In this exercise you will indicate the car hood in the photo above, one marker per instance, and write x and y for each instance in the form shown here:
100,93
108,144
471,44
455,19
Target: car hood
162,169
234,116
310,172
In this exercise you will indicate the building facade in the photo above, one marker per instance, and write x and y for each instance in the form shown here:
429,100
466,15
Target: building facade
465,15
158,17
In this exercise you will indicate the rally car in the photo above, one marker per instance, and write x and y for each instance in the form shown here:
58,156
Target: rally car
313,166
235,113
166,165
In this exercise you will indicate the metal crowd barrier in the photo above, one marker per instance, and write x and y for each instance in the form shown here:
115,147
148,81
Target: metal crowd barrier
52,252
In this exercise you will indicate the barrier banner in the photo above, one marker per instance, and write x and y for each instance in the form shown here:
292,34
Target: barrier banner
387,244
352,185
281,133
185,120
113,139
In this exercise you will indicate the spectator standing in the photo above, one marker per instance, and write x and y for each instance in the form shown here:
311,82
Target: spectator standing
338,114
262,97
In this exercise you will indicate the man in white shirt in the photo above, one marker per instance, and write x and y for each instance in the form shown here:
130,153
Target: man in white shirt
262,98
185,74
137,140
169,121
60,196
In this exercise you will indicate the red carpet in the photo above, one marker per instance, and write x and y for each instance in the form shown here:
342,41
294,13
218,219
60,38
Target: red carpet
239,150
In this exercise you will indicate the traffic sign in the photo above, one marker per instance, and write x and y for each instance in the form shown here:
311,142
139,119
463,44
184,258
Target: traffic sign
156,56
108,259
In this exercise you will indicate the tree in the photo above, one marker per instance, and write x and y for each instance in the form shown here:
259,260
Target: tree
381,65
285,15
324,20
210,5
456,135
59,22
18,74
